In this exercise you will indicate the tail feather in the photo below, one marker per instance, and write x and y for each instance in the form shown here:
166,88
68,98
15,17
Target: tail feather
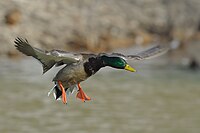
57,91
49,93
71,90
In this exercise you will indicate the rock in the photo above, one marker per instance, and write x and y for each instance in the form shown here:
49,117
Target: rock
100,25
193,65
144,38
13,54
13,17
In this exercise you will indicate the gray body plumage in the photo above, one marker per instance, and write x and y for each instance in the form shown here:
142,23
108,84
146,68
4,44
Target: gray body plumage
71,74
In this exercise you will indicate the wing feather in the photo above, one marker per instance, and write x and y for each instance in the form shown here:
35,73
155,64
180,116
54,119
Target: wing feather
47,58
149,53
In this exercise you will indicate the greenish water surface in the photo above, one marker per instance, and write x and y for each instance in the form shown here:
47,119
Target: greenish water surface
155,99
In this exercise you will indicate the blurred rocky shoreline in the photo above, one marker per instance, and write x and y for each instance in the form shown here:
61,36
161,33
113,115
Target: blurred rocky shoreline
97,25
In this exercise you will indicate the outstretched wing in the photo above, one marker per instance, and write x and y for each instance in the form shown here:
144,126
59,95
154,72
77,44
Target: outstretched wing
149,53
47,58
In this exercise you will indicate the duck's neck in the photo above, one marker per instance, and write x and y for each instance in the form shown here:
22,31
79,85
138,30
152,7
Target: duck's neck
93,65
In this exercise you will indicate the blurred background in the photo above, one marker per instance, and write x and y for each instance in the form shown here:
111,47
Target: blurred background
162,96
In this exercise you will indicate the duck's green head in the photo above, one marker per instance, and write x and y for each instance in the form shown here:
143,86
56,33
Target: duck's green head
117,62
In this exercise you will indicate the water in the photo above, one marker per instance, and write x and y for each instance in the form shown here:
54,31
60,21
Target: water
156,99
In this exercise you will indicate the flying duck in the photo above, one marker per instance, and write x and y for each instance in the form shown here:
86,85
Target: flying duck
79,66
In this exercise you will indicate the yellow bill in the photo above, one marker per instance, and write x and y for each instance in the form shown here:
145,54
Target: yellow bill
129,68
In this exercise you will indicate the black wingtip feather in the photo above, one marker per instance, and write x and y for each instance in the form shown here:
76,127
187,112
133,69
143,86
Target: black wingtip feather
23,46
18,40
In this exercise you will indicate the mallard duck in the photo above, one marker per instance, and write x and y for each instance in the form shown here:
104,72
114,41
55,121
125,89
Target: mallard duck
79,66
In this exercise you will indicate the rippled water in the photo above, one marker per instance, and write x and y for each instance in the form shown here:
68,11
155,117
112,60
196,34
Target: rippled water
156,99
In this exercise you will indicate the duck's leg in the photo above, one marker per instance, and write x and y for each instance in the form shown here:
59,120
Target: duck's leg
64,97
81,94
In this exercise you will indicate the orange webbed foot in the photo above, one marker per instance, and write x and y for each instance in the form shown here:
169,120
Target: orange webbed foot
64,97
81,94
